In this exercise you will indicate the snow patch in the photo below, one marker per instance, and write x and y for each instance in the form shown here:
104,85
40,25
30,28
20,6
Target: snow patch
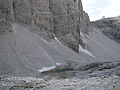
57,40
58,64
44,69
85,51
81,34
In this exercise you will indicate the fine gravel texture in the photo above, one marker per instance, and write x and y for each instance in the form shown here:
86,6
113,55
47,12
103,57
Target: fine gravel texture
95,76
23,53
94,83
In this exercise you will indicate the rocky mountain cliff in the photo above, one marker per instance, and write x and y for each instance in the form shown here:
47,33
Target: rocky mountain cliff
110,27
55,40
48,18
57,22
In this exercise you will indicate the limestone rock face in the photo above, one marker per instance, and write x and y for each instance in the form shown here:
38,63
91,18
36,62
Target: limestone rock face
85,24
66,16
22,11
62,18
5,16
35,13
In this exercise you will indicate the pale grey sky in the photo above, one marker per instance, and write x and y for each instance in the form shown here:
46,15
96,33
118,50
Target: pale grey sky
98,8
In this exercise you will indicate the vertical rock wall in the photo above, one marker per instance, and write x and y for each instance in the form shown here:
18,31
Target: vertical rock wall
62,18
37,14
66,16
85,24
5,16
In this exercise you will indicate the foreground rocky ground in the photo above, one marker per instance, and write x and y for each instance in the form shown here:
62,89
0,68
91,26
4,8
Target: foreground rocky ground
96,76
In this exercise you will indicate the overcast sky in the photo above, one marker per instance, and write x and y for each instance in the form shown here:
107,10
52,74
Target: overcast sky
98,8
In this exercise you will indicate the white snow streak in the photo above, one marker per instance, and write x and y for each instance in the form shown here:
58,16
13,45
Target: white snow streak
85,51
57,40
58,64
46,69
81,34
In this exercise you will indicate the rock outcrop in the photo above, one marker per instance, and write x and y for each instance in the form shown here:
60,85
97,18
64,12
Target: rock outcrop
61,18
66,14
85,24
110,27
5,16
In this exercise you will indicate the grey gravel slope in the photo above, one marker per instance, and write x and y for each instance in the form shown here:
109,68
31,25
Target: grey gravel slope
101,46
23,52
